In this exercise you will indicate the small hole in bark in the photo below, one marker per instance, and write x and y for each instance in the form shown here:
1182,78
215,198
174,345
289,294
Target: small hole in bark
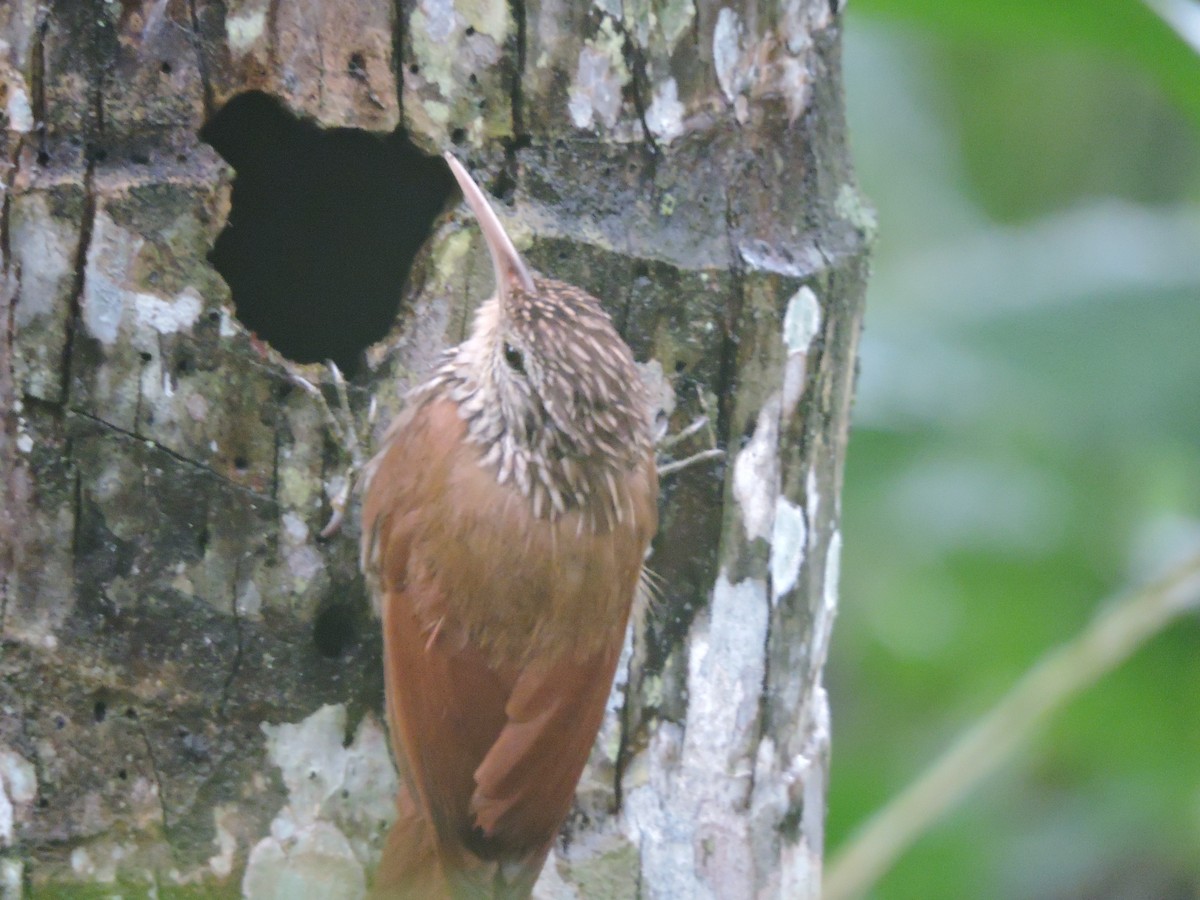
333,630
43,158
793,819
122,774
414,69
131,713
60,723
99,711
680,365
165,67
457,136
146,357
472,78
241,463
323,227
356,66
470,30
505,186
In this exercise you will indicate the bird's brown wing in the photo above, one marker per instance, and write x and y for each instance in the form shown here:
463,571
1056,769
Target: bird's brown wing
525,784
496,778
445,705
493,742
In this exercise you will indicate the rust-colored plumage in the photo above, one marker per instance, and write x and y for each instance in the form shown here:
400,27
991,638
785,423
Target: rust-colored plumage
505,520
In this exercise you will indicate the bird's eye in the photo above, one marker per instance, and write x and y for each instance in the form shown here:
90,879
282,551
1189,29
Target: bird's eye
514,358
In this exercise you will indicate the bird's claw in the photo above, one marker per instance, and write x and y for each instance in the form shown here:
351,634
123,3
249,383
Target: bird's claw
342,424
701,423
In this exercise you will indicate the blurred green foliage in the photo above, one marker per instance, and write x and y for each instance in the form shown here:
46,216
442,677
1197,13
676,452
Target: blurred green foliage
1027,434
1123,34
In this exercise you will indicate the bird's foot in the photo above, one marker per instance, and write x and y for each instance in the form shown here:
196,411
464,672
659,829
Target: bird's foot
344,428
702,427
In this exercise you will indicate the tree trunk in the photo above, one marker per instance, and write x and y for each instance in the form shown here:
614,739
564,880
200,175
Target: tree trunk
191,686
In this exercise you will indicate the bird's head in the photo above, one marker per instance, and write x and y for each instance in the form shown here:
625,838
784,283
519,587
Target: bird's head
547,360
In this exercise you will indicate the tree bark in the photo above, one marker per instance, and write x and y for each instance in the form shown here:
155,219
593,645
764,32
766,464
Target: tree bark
191,686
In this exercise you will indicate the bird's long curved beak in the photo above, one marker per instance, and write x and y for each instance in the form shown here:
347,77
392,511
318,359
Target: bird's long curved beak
506,261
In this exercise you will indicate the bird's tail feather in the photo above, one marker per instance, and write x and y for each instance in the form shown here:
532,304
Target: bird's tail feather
410,868
414,867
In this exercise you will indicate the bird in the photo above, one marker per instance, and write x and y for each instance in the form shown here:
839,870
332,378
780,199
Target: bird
506,519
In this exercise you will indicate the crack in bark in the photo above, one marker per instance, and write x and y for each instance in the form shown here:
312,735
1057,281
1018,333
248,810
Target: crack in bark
86,225
87,222
727,367
6,185
398,62
236,665
158,781
519,137
38,87
141,393
635,59
517,10
174,454
201,61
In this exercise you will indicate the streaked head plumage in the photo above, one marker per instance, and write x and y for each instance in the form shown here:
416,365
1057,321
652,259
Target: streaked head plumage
547,385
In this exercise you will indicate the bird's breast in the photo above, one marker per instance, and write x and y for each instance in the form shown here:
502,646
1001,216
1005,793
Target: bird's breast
516,585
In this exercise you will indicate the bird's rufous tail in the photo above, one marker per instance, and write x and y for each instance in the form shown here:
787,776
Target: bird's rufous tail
413,867
410,868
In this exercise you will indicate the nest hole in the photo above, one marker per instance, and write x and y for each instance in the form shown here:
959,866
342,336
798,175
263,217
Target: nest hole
323,227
